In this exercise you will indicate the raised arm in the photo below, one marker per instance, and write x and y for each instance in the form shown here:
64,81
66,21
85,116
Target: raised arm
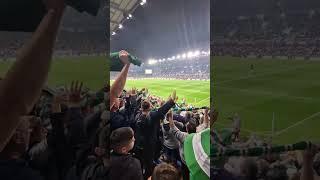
21,86
181,136
307,169
205,123
168,105
120,81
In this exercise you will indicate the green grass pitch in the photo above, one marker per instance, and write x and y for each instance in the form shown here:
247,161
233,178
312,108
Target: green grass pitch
93,71
289,89
196,92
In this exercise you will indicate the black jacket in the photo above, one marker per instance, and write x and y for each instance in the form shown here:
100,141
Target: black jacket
124,167
149,128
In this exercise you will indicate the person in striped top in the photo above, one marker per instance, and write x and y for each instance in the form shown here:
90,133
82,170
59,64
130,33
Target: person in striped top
194,149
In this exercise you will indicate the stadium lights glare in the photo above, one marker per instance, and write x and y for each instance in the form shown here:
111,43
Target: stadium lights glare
129,16
188,55
113,33
197,53
152,61
120,26
143,2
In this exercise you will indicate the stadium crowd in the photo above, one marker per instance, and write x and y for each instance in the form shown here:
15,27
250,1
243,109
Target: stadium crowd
193,68
292,34
285,165
158,134
66,133
67,44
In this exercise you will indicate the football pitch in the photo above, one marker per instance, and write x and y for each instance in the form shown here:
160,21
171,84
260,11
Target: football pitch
92,71
196,92
279,96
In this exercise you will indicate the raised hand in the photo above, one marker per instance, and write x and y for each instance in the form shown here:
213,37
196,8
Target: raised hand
307,169
205,111
173,97
309,153
54,4
124,57
170,118
74,93
133,91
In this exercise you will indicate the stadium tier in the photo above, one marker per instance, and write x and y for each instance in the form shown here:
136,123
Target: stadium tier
80,34
191,68
275,29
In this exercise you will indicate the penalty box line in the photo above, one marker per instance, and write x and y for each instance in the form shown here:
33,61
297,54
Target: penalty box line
281,131
297,123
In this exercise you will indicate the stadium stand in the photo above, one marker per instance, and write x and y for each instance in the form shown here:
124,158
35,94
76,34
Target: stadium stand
74,39
191,68
279,28
273,29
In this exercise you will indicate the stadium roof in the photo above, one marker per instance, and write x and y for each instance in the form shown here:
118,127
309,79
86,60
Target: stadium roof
119,11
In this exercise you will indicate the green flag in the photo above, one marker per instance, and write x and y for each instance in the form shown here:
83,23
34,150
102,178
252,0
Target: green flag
197,154
117,65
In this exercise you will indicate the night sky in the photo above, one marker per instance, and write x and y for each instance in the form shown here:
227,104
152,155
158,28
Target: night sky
164,28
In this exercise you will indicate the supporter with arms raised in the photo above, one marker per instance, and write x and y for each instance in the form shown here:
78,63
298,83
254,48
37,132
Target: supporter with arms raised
199,168
147,128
